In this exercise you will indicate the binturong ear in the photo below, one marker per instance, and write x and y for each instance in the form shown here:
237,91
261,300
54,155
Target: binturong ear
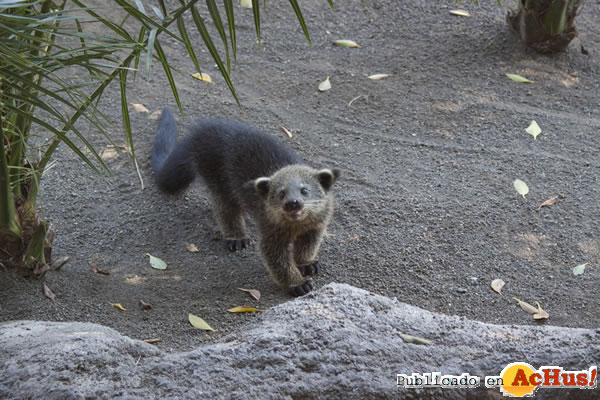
262,186
327,177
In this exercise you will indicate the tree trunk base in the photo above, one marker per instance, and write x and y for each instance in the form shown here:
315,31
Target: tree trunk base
529,25
14,248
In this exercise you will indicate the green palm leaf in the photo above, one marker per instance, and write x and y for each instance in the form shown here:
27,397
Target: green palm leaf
231,23
296,8
216,17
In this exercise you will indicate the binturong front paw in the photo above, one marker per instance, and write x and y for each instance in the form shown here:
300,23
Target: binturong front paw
301,290
310,269
237,245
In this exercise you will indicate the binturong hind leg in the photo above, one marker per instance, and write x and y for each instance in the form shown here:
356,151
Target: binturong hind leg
230,218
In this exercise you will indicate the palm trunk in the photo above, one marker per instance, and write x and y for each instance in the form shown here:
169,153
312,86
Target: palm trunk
25,239
548,26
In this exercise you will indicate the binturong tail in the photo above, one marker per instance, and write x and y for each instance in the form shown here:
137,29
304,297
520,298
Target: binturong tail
172,162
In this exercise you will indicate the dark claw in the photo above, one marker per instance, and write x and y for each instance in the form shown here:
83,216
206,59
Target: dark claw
310,269
237,245
301,290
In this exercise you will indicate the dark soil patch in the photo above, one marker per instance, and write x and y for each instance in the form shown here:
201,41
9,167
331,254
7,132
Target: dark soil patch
426,211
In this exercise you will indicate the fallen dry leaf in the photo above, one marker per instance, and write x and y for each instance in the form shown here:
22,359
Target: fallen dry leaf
191,248
204,77
243,309
152,340
139,107
253,292
199,323
48,293
579,269
118,305
548,202
155,115
378,77
526,306
521,187
540,314
533,129
98,270
460,13
414,339
325,85
518,78
497,285
346,43
156,262
283,128
144,306
58,264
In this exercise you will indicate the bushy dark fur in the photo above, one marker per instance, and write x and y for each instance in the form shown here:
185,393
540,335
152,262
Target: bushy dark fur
250,173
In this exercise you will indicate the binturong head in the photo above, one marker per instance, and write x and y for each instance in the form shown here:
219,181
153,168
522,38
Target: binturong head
297,193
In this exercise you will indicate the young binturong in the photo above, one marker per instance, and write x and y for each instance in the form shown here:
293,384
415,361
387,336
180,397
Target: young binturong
249,173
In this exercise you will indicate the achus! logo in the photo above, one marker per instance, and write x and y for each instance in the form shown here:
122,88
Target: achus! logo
522,380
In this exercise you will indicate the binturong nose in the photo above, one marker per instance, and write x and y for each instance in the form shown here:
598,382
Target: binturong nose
293,205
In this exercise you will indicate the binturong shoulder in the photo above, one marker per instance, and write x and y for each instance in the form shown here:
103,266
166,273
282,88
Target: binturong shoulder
297,197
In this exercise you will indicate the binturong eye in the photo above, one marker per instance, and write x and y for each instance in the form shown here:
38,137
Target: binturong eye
304,191
281,195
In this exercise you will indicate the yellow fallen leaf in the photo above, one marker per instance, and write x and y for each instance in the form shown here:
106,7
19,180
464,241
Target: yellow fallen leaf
521,187
204,77
526,306
533,129
283,128
191,248
139,108
253,292
346,43
325,85
246,3
460,13
118,305
378,77
518,78
199,323
243,309
497,285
